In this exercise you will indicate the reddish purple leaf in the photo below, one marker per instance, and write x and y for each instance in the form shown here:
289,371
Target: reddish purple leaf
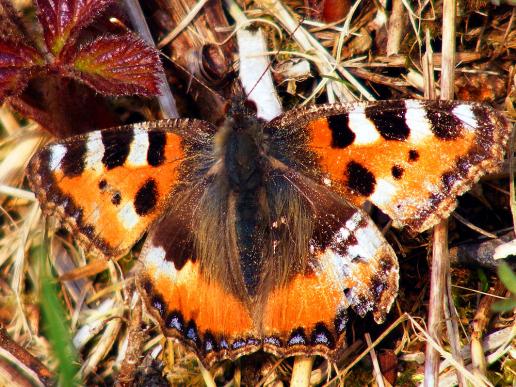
116,65
17,61
62,20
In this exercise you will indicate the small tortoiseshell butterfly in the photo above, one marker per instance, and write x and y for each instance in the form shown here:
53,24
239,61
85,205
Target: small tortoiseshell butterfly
256,239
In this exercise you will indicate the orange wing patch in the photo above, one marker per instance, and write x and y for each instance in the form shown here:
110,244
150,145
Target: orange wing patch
110,185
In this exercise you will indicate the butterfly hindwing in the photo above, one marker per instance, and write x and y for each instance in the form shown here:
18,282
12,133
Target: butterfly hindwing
349,266
190,305
109,185
410,158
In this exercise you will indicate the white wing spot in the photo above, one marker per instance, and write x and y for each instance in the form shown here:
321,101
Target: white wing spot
369,240
155,259
57,152
94,151
352,223
139,147
466,115
364,129
384,192
128,216
415,117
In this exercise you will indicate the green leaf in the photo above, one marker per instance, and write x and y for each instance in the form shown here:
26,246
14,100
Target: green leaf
504,305
507,277
56,326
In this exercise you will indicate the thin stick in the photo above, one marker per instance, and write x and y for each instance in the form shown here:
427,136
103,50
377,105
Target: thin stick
301,371
447,90
206,376
133,356
440,266
166,100
440,258
396,23
376,367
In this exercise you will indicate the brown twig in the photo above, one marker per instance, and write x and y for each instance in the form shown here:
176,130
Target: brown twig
19,366
395,29
440,275
480,321
136,337
376,366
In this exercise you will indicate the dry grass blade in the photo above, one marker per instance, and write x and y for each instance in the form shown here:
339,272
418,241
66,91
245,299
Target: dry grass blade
184,23
326,64
440,268
475,380
376,366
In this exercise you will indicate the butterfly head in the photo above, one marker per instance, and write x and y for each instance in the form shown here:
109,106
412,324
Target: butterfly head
241,144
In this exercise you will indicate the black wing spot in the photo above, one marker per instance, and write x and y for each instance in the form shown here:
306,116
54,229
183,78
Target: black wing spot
156,151
272,340
102,184
192,334
321,335
341,320
341,135
146,198
448,179
88,230
116,199
444,123
117,145
390,124
175,321
73,161
158,304
378,286
413,155
397,172
360,179
210,344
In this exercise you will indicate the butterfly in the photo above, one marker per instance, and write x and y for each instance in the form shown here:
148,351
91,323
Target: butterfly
256,237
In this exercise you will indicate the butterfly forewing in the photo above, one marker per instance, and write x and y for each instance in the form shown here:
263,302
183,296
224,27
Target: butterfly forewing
410,158
108,186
